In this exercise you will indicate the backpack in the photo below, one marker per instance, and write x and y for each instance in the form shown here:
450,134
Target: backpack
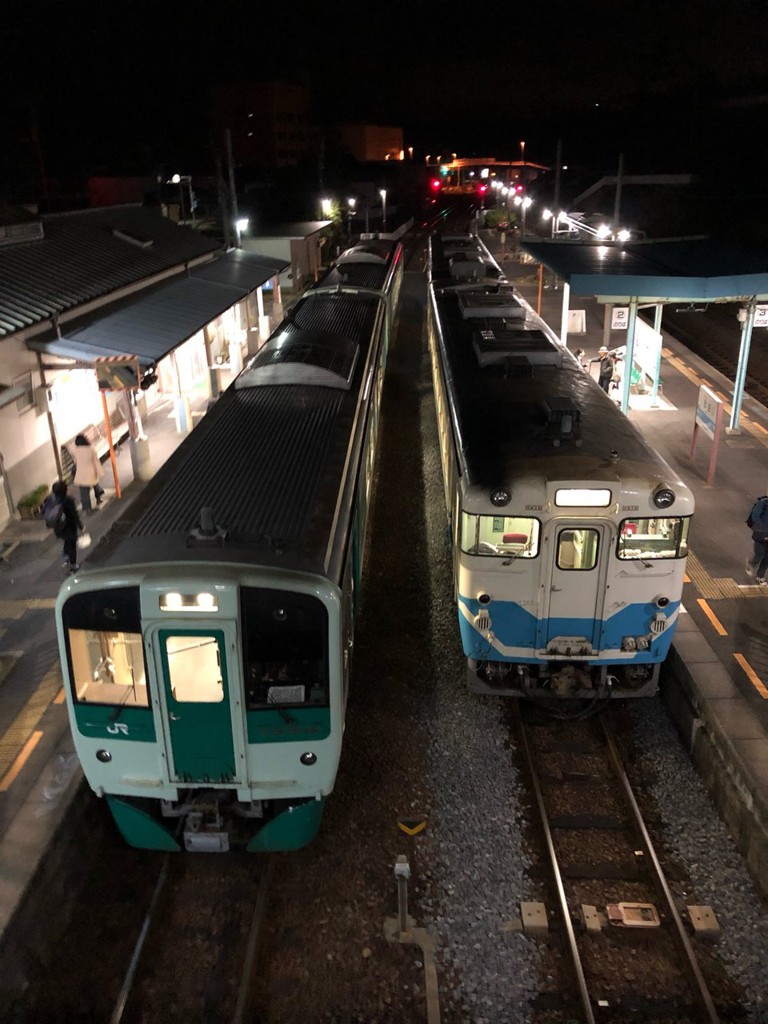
55,517
758,517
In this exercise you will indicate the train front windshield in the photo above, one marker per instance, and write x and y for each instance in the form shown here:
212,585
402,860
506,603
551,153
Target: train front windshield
105,648
285,647
516,536
657,537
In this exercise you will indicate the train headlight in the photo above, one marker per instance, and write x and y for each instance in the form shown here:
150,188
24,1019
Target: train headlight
663,497
308,758
104,756
500,496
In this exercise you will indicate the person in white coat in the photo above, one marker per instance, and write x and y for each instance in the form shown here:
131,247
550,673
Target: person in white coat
87,472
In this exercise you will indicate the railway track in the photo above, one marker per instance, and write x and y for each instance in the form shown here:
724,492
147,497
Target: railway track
625,927
196,949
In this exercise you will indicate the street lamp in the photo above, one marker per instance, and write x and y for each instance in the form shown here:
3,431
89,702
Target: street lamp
522,152
351,203
383,194
325,208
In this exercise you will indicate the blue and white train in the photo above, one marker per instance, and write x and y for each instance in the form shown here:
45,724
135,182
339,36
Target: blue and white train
569,532
206,642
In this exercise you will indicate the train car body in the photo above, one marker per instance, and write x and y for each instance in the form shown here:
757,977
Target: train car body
206,642
569,532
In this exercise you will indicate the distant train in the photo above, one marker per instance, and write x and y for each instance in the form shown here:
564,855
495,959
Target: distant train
206,643
569,531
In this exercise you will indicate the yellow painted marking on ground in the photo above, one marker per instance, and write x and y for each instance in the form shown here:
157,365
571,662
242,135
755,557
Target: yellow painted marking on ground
753,677
719,627
686,578
27,719
59,698
758,426
12,774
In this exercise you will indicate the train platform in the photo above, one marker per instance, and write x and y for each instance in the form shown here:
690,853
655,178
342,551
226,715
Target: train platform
716,682
39,770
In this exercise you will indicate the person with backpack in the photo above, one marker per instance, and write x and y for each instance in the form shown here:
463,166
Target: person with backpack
757,521
62,516
87,472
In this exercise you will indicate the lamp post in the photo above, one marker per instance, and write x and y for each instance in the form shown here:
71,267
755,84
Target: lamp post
351,203
525,204
522,151
185,179
383,194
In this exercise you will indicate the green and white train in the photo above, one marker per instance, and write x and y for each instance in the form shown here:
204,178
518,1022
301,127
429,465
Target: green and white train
206,641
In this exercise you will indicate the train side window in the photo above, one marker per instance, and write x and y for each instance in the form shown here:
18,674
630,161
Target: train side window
577,549
656,537
504,536
285,648
108,667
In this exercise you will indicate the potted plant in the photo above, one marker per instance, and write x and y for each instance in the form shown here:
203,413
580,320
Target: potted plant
29,505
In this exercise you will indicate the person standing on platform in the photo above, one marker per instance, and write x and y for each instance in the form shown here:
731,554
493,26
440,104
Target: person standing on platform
757,521
87,472
607,367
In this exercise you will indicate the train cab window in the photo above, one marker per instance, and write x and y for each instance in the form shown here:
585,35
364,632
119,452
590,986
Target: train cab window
577,549
108,667
658,537
285,648
503,536
105,651
194,668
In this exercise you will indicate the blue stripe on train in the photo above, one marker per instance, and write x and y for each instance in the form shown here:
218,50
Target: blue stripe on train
515,627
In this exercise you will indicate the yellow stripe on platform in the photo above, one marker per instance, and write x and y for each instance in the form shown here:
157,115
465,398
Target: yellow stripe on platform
26,721
719,627
753,677
15,770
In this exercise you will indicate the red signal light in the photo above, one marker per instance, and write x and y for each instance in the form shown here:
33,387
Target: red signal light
519,187
435,184
482,189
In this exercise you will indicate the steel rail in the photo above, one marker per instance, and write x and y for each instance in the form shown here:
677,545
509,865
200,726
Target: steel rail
122,999
558,879
700,986
254,935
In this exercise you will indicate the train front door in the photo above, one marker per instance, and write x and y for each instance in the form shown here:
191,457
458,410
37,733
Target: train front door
193,665
574,615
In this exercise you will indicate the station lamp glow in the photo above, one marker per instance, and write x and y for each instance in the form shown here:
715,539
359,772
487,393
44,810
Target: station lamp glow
603,231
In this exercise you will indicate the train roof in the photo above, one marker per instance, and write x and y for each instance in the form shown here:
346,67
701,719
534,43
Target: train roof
517,395
270,459
367,265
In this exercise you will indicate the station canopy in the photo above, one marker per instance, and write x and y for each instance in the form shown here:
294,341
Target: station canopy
150,324
692,270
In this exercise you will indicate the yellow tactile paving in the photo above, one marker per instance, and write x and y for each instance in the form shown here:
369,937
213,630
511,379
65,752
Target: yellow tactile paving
713,588
26,721
15,609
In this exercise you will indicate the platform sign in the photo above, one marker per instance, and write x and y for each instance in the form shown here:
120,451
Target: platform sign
707,410
619,318
709,420
761,316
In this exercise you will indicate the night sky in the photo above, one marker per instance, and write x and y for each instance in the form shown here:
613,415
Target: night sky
123,87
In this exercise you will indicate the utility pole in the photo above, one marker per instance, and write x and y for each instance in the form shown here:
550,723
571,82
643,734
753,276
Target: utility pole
558,165
617,201
232,189
226,218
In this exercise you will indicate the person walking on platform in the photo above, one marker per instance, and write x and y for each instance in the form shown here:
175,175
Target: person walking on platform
87,472
607,367
69,525
757,521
